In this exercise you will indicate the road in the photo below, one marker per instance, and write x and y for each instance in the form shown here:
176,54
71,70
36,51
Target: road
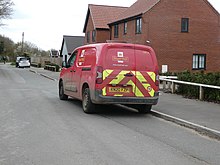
37,128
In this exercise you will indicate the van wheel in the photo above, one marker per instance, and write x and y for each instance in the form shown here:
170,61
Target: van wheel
88,106
62,96
143,108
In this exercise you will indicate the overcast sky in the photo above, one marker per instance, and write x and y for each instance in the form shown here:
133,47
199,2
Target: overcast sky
44,22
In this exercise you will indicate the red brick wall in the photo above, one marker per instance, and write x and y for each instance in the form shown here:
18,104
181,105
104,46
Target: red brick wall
101,35
89,28
162,27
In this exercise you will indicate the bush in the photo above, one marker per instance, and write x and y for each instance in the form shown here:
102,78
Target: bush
57,66
34,64
193,91
53,64
13,63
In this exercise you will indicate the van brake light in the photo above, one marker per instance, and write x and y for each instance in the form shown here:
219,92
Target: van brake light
99,77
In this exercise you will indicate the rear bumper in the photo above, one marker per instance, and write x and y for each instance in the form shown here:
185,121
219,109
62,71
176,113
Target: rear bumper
23,65
100,99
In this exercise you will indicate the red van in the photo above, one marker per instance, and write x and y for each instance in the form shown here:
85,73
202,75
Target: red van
111,73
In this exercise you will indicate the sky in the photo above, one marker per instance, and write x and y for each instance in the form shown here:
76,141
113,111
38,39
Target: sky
44,22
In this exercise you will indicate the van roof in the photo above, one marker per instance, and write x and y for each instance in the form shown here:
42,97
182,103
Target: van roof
99,45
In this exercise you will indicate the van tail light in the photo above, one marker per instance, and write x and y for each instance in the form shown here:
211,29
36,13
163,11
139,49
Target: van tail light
157,82
99,75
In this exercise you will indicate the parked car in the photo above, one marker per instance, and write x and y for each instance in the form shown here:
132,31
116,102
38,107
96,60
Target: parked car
111,73
23,62
17,60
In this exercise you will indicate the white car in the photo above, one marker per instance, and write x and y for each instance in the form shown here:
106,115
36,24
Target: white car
17,60
24,62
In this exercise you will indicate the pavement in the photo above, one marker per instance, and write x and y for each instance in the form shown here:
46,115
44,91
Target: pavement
204,117
45,73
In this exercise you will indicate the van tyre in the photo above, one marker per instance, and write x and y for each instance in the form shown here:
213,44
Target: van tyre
62,96
88,106
143,109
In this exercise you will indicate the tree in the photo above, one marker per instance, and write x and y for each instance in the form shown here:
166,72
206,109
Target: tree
1,47
6,46
29,49
6,10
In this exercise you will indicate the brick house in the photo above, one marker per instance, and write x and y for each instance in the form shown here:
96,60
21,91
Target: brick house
96,27
185,34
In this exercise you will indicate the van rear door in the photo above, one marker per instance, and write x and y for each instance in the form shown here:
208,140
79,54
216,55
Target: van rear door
129,70
145,72
119,71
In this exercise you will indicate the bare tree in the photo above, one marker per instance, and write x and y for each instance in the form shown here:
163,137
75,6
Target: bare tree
6,9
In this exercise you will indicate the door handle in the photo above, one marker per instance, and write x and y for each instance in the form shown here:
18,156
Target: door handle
128,75
72,70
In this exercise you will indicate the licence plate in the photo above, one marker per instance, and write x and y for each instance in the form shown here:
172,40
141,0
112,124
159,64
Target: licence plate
118,89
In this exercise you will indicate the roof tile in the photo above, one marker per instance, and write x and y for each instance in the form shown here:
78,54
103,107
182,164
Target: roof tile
139,7
102,15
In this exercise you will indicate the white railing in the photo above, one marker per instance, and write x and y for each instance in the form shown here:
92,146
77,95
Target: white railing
172,85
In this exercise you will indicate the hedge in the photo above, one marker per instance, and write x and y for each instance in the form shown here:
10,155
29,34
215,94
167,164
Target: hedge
203,78
53,64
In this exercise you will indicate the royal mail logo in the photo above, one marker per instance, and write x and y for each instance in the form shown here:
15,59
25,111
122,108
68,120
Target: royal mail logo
120,59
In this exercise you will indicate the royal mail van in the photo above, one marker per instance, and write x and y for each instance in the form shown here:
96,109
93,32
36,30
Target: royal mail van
111,73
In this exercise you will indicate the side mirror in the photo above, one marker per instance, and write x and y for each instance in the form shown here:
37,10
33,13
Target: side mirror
64,64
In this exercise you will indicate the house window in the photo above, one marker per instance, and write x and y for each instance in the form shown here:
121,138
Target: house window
185,25
125,27
116,31
93,35
88,37
138,25
199,61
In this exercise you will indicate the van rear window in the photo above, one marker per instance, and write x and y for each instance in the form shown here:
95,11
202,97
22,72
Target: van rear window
144,60
129,59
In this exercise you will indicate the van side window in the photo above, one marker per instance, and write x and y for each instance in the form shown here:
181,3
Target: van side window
72,59
87,57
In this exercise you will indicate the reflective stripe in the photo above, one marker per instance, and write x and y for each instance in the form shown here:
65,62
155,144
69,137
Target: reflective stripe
104,91
141,78
152,76
118,78
146,89
106,73
132,84
118,95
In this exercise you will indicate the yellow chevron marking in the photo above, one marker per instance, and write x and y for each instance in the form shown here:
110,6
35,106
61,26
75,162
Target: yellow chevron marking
152,75
118,95
135,89
104,91
132,84
138,93
151,92
141,78
106,73
119,77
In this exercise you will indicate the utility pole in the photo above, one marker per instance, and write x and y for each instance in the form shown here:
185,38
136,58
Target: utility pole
22,44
